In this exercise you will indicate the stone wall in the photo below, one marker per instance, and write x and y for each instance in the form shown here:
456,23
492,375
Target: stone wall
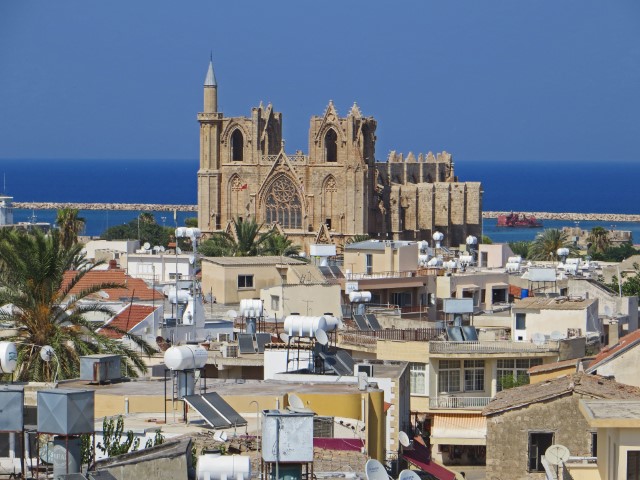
508,436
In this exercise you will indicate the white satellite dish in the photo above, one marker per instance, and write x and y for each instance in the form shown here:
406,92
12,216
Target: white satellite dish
284,337
297,405
8,357
538,338
408,475
556,335
178,250
232,314
47,353
403,438
374,470
146,246
192,259
162,249
557,454
321,337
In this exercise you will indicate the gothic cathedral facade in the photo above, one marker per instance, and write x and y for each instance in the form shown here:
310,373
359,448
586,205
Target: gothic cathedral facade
336,191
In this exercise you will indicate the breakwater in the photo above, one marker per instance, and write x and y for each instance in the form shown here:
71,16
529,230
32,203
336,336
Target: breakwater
144,207
601,217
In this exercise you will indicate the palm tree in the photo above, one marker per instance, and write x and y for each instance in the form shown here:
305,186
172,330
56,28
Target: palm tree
520,248
278,244
599,239
70,225
547,243
357,238
32,270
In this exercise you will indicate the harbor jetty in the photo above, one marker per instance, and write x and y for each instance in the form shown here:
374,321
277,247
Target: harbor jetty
148,207
573,217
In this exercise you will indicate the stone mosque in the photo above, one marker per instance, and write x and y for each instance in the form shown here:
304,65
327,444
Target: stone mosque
335,191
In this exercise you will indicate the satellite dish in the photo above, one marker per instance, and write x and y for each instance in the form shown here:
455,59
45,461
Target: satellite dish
284,337
321,337
408,475
232,314
8,357
403,438
557,454
374,470
192,259
162,249
146,246
47,353
538,338
295,401
556,335
178,250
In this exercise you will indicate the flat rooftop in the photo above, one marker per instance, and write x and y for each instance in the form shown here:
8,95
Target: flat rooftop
611,413
557,303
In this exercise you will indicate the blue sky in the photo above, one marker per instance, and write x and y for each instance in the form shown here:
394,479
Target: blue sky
486,80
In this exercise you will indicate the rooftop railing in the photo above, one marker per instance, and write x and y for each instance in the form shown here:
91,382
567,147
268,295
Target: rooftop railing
369,338
459,402
497,346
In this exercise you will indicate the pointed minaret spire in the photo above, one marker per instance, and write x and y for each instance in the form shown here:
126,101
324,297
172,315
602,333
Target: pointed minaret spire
210,89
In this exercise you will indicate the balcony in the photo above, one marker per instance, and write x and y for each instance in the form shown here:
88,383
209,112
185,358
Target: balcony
498,346
368,338
454,402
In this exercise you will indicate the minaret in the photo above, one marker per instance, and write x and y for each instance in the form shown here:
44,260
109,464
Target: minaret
209,175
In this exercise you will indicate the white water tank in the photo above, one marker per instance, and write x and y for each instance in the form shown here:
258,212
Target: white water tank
8,357
185,357
332,322
360,297
435,262
213,466
182,297
251,307
304,326
466,259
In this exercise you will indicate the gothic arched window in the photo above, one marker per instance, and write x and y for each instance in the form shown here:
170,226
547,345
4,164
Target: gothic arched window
283,204
330,190
237,146
331,146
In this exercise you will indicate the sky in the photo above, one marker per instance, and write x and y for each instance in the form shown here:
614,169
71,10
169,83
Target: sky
485,80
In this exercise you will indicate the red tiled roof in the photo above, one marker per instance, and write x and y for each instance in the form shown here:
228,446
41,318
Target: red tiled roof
133,287
127,319
626,342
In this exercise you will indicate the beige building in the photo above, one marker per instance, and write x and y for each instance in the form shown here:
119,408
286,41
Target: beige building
336,190
620,360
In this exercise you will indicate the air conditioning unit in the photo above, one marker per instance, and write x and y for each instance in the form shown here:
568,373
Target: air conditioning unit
363,367
228,350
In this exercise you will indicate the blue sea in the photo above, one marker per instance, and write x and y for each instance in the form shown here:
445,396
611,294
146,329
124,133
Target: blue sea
589,187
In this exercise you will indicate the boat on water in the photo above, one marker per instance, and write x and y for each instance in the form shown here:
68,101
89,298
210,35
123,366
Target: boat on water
518,220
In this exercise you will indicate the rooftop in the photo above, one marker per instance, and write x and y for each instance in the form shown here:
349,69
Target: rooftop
611,413
127,319
581,383
129,287
377,244
628,341
557,303
251,261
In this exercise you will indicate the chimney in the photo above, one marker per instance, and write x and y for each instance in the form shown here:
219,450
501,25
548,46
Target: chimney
614,335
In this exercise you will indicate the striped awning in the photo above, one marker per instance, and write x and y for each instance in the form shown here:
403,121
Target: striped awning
459,429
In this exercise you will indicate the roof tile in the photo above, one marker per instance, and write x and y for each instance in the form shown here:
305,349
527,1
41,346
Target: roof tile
127,319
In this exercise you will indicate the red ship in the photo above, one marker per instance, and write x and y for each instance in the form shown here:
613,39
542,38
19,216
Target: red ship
518,220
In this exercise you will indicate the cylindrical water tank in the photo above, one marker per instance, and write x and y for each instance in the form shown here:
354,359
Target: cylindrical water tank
332,322
251,325
562,252
213,466
466,259
181,297
516,259
438,236
423,258
435,262
360,297
304,326
8,357
186,383
66,456
185,357
471,240
251,307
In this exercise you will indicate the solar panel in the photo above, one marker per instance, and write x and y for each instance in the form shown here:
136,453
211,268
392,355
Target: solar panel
245,343
361,322
262,339
210,414
373,321
455,334
336,271
332,363
345,359
226,410
326,271
470,334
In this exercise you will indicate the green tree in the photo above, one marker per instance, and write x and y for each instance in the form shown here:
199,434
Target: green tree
547,243
144,227
191,222
215,246
246,240
520,248
486,240
115,441
32,279
512,381
70,225
616,254
278,244
631,283
599,240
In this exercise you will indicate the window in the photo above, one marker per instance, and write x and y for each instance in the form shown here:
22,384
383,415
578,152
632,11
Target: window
521,321
594,444
369,263
516,368
275,303
538,444
499,295
283,204
633,465
473,375
237,141
401,299
331,146
449,376
172,276
245,281
418,376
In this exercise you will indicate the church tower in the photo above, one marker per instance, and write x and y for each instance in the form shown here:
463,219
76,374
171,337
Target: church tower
209,175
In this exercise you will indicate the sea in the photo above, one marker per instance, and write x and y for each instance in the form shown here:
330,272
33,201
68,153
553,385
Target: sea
582,187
